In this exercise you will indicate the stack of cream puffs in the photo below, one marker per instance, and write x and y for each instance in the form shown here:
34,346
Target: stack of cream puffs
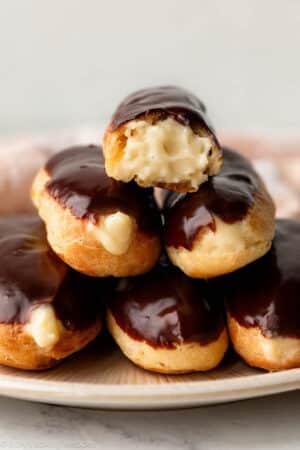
165,236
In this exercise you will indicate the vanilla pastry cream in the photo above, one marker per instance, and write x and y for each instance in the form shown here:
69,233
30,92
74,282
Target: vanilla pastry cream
115,232
164,152
44,327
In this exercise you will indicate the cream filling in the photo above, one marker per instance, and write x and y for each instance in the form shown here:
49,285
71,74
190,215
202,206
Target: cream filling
227,239
115,232
44,327
167,152
279,349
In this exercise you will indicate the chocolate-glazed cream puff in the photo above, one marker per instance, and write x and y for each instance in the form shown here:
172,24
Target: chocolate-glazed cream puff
97,225
47,310
162,137
226,224
263,303
165,322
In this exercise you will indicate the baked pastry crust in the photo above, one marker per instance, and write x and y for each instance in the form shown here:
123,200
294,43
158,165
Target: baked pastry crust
19,350
73,241
231,245
269,353
185,357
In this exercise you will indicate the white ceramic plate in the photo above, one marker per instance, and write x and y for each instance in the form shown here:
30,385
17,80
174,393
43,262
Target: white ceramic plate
100,377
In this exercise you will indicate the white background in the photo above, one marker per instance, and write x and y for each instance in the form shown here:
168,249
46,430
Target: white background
68,62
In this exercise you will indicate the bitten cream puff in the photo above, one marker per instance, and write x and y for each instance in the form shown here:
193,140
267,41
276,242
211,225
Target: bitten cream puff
263,303
226,224
97,225
162,137
165,322
47,310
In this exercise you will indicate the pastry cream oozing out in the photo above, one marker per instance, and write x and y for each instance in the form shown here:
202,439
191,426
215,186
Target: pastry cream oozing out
164,152
44,327
279,348
115,232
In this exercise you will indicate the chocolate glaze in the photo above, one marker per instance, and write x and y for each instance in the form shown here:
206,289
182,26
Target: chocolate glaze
165,308
30,275
80,300
173,101
228,195
79,182
266,293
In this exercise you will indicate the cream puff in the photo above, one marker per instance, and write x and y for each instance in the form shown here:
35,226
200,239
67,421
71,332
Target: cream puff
165,322
162,137
47,310
98,226
263,303
226,224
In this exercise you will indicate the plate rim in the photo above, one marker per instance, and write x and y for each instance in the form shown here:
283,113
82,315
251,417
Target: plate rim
148,396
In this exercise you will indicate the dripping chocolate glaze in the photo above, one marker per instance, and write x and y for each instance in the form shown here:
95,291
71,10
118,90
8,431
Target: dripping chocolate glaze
31,274
164,308
266,293
79,182
173,101
228,195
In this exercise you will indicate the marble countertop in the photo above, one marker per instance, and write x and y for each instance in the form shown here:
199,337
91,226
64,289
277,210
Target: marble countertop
265,423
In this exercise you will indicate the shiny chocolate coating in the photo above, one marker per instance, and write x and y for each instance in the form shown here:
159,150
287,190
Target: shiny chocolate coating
78,181
31,274
266,293
228,195
80,300
172,101
165,308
